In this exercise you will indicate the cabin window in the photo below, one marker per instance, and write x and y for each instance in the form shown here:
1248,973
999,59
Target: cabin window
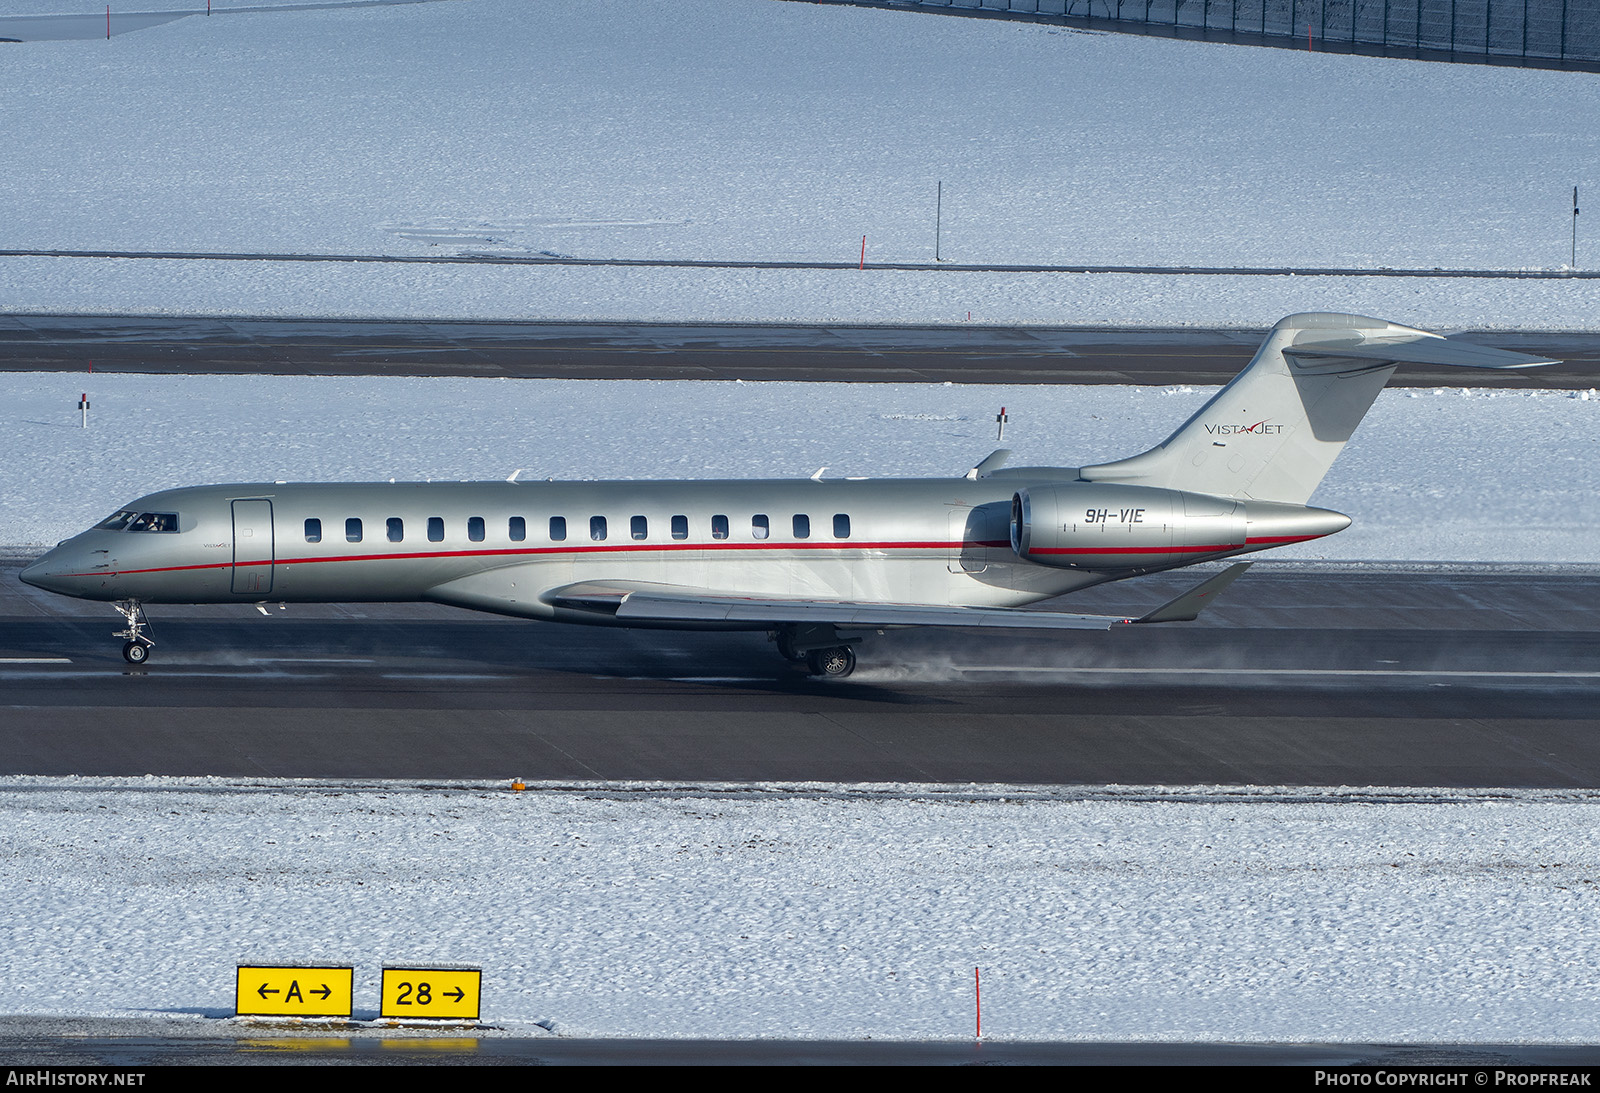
558,529
680,527
518,529
435,529
841,526
597,528
397,529
639,527
475,529
352,530
802,527
313,530
760,526
719,527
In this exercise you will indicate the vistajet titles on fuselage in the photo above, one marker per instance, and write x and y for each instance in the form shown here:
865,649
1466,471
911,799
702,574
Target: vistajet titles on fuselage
818,563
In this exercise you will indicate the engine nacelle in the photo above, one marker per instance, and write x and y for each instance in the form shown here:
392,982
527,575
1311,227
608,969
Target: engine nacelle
1107,526
1102,525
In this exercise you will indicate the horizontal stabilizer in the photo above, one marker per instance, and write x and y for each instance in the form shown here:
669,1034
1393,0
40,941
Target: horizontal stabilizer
1187,607
1412,351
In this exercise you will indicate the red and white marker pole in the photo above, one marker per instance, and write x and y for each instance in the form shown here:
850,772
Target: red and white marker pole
1001,419
863,264
977,999
83,410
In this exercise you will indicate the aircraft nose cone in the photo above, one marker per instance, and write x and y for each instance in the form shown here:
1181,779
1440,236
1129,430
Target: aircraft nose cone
48,573
36,574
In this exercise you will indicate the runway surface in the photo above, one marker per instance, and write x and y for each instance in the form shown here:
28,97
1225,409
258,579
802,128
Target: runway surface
664,351
1301,677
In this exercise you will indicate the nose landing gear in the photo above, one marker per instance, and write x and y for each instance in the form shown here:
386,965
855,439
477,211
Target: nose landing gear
136,650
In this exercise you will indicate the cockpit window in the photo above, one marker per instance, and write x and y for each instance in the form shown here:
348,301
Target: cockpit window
155,521
128,520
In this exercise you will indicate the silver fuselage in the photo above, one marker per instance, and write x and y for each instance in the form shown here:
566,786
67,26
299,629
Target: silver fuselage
493,545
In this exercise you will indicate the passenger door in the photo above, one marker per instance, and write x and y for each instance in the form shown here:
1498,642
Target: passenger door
252,548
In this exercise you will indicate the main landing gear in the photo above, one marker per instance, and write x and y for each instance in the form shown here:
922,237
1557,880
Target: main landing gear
836,662
823,650
136,650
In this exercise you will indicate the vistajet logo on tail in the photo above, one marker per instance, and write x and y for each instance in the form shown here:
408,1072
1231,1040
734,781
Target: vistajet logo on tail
1260,428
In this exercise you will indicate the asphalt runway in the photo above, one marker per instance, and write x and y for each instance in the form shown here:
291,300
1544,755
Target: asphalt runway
1468,677
960,354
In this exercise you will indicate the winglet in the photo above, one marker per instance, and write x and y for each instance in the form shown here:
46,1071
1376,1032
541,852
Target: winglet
1187,607
991,462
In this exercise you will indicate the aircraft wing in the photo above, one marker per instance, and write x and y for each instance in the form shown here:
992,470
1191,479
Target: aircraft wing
638,602
698,607
513,590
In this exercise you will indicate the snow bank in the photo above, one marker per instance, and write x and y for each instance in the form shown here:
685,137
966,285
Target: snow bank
823,912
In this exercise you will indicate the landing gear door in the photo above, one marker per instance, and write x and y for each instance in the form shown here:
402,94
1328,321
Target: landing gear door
252,548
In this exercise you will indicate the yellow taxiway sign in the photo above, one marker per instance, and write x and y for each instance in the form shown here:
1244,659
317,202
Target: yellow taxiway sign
264,990
448,994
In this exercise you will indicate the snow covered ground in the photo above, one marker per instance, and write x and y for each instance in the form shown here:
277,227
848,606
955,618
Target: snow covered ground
752,129
825,911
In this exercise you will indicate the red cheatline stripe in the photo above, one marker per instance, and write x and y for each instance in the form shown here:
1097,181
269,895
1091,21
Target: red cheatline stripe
1136,550
632,548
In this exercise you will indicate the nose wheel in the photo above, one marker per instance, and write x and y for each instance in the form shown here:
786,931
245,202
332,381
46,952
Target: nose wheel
136,650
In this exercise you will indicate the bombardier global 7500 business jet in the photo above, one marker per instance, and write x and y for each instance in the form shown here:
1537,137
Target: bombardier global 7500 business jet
818,563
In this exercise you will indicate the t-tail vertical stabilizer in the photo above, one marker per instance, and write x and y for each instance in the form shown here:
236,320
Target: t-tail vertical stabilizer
1273,432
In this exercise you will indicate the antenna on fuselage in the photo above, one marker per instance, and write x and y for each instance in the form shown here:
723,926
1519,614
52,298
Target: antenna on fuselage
818,476
514,474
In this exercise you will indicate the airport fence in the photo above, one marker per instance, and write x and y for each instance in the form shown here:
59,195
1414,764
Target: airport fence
1539,33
